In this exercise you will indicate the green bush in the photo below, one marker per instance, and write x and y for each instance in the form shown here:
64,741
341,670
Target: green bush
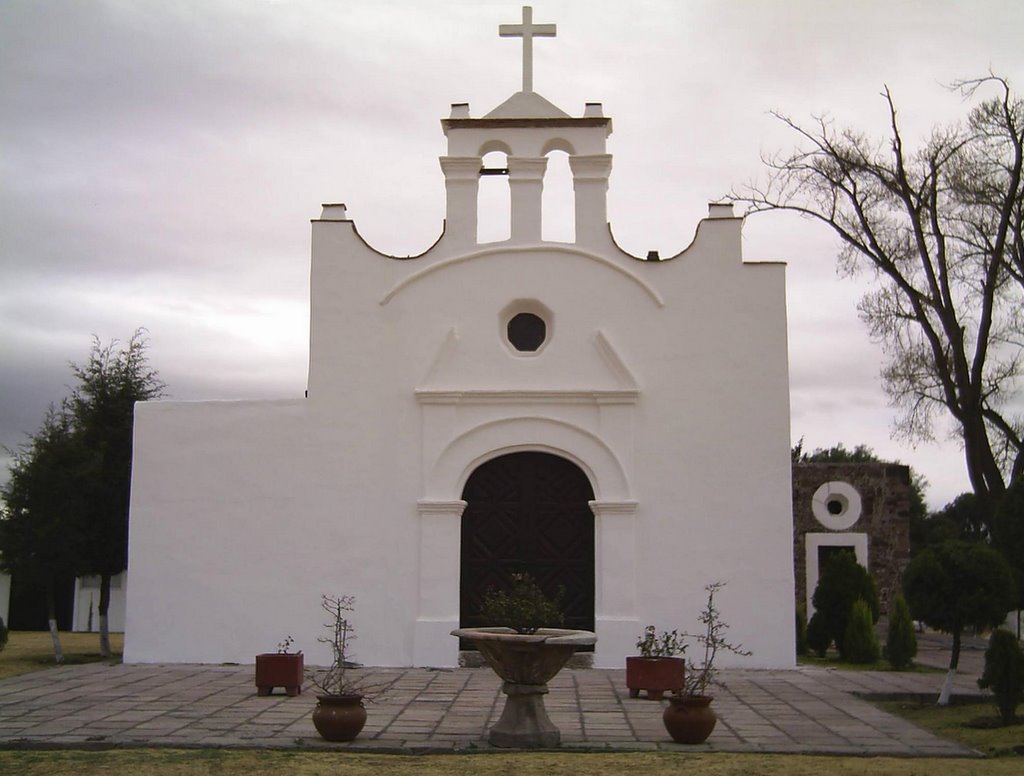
818,638
860,644
843,581
901,641
957,585
1008,535
524,608
1004,673
801,630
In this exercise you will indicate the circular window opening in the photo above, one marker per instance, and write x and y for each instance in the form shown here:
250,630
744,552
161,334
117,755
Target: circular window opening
526,332
836,506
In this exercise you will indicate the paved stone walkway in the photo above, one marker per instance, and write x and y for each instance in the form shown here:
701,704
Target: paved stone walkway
808,710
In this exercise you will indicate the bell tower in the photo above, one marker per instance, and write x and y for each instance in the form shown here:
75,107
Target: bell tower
526,127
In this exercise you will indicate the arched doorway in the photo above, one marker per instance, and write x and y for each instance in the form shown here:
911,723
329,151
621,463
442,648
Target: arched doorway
528,512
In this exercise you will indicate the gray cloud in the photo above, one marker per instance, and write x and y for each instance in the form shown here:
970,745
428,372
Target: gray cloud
160,162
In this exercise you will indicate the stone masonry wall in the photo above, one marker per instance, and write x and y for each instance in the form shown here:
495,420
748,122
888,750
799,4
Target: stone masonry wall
885,517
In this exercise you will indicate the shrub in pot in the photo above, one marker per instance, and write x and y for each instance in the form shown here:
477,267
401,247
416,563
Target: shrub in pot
657,669
280,669
689,718
339,714
523,607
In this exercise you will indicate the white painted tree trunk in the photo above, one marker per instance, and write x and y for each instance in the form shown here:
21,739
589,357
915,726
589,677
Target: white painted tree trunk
58,653
947,687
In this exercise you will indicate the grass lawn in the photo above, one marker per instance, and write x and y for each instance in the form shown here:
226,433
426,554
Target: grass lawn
33,651
955,722
832,660
171,762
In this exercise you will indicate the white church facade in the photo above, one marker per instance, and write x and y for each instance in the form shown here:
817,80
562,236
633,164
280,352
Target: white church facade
613,425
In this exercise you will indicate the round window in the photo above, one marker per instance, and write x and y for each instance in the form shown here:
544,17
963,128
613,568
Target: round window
526,332
836,505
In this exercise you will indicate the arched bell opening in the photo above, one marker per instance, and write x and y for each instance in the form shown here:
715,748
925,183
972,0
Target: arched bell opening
558,200
494,199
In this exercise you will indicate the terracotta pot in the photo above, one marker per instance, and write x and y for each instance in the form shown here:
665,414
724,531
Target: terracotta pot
656,675
279,669
689,719
339,717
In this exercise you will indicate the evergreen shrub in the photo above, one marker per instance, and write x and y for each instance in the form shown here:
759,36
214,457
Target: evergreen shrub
842,582
860,644
818,638
1004,673
801,630
524,608
901,641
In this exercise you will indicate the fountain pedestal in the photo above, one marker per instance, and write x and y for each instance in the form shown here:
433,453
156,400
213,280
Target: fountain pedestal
526,662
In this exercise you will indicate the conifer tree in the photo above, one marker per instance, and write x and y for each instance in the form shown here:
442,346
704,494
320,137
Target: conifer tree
860,644
110,383
901,641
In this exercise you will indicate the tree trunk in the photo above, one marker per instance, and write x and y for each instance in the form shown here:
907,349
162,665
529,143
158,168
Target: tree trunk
954,661
51,616
104,606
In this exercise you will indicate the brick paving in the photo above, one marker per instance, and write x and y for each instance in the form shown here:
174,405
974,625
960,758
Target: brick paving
807,710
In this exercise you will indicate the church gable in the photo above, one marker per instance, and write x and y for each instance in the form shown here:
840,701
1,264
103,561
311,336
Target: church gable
659,386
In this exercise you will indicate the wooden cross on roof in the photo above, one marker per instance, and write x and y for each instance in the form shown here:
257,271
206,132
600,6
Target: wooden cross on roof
527,31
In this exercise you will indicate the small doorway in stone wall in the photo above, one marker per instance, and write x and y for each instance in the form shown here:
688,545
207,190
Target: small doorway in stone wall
528,512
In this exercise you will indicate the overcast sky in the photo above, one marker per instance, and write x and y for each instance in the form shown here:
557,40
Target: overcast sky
160,162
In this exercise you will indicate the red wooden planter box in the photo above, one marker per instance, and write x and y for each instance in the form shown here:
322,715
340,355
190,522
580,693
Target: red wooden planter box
275,669
656,675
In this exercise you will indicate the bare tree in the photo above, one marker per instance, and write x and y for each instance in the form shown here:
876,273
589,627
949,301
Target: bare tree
941,230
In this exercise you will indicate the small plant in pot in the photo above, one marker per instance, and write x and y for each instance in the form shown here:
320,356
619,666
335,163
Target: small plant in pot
659,668
689,718
524,608
283,668
339,714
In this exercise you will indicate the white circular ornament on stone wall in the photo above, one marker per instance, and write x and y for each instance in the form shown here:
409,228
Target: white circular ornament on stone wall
836,505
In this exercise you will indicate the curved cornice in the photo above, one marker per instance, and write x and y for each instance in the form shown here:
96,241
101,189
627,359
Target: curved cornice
693,240
355,231
499,249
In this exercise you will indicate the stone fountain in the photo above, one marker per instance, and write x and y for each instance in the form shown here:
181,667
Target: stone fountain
526,662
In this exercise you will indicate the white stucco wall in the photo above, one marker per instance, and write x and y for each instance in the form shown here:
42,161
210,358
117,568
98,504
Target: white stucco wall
665,381
86,615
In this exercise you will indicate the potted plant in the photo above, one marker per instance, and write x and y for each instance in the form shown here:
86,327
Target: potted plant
657,669
526,655
280,669
339,714
689,717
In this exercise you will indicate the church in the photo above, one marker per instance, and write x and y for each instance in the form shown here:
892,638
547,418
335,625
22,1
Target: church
617,426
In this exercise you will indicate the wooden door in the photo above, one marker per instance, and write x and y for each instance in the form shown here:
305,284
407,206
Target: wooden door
529,512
